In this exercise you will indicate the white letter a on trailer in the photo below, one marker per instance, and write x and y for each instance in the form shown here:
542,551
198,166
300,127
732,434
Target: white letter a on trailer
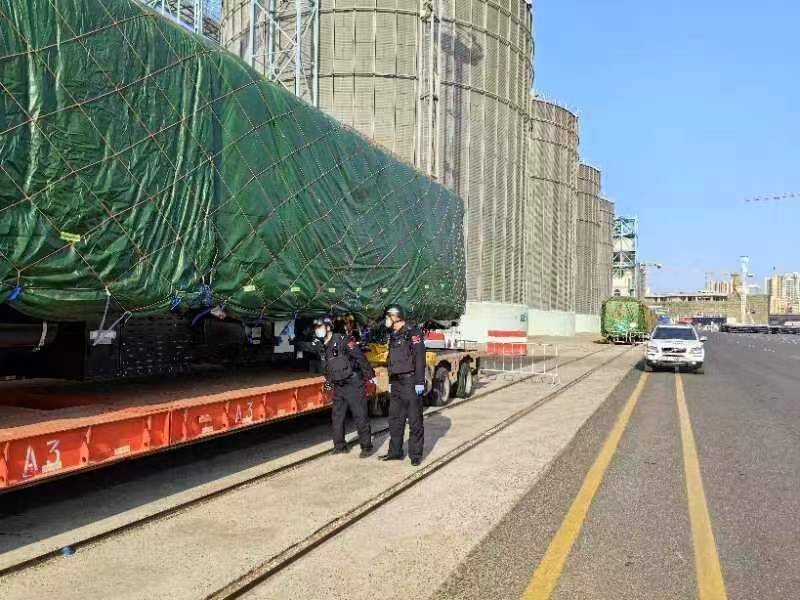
31,466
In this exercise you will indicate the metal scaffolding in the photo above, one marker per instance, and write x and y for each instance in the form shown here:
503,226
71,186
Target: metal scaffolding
200,16
284,44
627,280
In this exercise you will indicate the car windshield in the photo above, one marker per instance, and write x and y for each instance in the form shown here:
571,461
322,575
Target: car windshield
674,333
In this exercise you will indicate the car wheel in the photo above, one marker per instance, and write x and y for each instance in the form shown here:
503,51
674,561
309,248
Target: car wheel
648,368
700,370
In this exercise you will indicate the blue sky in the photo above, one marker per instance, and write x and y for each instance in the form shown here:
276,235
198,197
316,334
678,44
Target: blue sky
689,107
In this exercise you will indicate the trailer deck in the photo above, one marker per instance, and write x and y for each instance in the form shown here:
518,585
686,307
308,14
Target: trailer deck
49,429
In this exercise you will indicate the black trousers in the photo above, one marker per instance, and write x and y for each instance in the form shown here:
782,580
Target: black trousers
405,405
351,395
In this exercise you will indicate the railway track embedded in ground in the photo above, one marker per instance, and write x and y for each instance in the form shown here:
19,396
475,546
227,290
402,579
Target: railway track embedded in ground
296,551
291,554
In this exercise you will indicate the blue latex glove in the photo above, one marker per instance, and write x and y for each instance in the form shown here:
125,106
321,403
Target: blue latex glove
420,389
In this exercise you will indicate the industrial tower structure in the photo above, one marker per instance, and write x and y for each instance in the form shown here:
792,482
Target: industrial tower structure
627,280
278,38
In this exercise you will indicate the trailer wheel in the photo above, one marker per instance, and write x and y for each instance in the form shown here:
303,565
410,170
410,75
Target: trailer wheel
440,394
466,381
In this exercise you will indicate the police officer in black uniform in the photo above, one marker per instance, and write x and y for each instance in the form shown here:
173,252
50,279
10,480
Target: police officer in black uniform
407,379
346,370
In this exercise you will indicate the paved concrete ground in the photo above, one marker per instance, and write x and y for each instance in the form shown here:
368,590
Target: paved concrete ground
54,514
407,548
636,541
194,553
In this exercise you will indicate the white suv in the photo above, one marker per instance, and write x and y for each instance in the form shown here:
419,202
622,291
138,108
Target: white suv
675,346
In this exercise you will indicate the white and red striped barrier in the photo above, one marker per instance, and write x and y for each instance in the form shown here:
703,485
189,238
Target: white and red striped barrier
507,342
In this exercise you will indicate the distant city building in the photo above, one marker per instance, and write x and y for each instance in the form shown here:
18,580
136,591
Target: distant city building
695,306
719,286
665,298
784,293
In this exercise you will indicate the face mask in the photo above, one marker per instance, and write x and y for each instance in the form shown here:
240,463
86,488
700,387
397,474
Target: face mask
320,332
388,322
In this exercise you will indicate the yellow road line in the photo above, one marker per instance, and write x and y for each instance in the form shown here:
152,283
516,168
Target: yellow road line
710,585
549,570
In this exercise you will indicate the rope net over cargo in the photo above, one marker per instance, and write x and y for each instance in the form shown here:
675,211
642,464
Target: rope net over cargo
141,162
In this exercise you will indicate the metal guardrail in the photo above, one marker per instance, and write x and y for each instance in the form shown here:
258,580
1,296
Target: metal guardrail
522,360
774,329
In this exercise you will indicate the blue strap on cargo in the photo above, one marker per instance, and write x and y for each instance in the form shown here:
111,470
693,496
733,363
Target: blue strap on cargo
176,302
205,294
15,294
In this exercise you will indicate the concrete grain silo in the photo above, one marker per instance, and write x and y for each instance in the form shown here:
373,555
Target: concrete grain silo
551,212
605,249
443,84
587,296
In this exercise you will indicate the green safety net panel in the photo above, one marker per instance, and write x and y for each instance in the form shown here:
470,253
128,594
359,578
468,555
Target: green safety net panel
142,163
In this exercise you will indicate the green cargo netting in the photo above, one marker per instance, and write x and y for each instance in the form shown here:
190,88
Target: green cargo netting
140,160
623,317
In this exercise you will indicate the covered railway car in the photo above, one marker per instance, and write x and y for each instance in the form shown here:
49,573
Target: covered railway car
626,320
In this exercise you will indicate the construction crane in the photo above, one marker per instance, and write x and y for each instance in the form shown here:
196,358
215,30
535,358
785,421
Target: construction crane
786,196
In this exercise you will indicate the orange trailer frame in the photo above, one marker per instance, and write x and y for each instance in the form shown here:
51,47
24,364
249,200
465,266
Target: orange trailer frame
51,430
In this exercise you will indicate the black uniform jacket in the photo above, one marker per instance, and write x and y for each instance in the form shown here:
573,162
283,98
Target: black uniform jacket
407,354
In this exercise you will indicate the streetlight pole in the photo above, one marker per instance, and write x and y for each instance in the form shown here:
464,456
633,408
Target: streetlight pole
643,268
744,261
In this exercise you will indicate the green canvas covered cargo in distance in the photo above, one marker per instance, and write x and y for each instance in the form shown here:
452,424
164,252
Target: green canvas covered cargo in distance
142,161
626,320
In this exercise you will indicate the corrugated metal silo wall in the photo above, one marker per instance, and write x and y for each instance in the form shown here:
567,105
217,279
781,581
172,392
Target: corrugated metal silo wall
486,80
371,71
368,69
587,294
551,206
605,249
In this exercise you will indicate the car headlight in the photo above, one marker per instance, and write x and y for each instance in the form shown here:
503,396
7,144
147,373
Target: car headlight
653,349
698,350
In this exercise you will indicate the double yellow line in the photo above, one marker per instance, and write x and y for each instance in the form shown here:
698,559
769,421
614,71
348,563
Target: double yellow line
710,584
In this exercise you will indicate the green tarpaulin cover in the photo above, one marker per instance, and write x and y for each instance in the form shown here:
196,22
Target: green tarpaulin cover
140,160
626,316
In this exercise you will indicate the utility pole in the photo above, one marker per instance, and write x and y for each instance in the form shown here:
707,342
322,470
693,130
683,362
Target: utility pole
744,261
644,268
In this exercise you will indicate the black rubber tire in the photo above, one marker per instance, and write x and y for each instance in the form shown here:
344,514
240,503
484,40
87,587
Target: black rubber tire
700,370
466,381
440,392
648,368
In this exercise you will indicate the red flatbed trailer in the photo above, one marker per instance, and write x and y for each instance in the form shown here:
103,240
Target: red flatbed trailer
50,429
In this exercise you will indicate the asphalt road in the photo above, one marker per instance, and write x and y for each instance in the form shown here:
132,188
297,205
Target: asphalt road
713,513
